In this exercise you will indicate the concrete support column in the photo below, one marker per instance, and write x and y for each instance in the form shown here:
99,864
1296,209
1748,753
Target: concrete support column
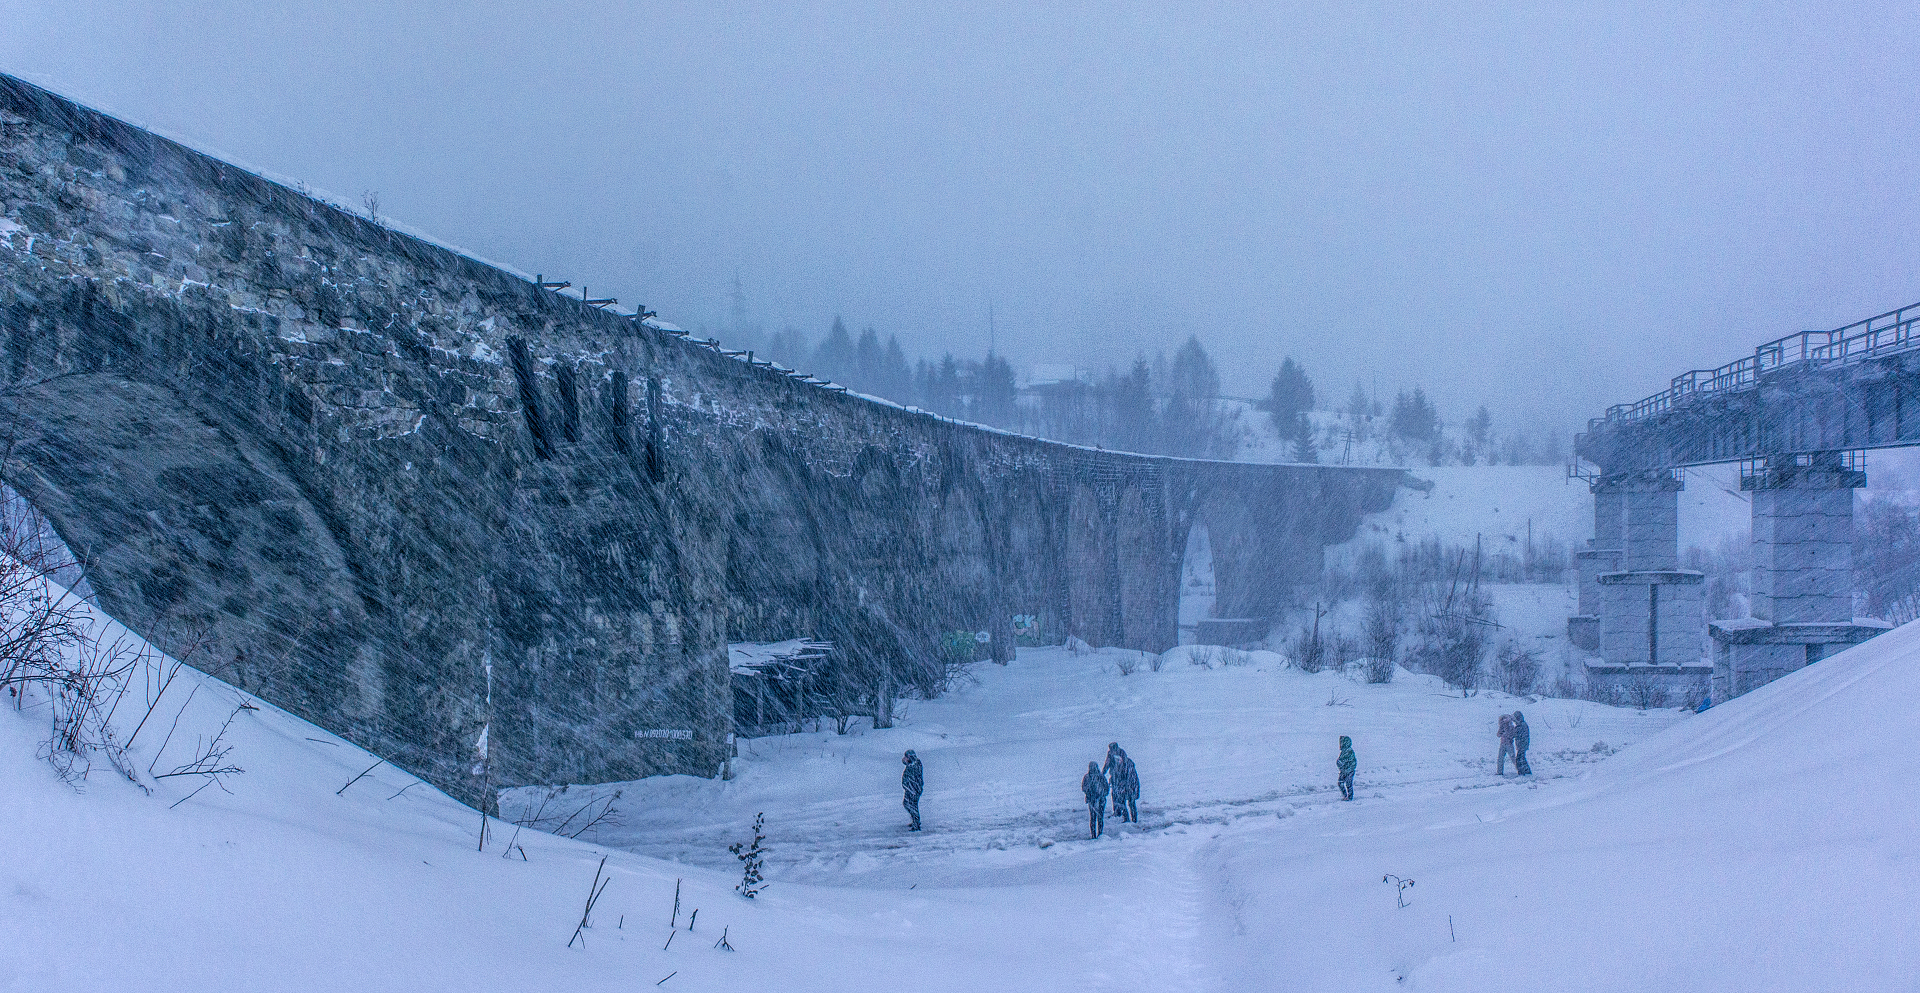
1602,555
1650,532
1652,618
1802,577
1803,540
1651,622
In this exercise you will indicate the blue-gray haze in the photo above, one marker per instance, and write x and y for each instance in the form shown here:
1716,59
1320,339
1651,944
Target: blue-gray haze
1543,208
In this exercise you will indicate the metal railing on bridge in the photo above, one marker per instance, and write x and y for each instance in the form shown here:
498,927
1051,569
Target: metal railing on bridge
1882,334
1853,460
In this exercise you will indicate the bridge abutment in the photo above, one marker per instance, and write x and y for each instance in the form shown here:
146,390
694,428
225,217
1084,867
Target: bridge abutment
1803,574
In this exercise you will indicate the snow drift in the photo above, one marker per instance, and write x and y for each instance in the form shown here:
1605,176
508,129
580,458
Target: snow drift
1763,845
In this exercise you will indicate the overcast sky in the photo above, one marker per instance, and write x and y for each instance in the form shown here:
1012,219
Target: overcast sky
1543,210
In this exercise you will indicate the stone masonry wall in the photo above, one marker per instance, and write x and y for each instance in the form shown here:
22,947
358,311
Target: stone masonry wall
409,496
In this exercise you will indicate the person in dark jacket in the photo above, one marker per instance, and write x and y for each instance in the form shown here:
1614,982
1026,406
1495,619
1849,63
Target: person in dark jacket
1124,780
1506,744
1348,763
1093,786
1522,737
913,781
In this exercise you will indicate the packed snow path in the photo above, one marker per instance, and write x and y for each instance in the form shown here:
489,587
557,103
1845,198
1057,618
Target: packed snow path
1216,745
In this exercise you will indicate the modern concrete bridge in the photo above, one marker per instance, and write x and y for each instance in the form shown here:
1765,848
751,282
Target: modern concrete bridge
1798,415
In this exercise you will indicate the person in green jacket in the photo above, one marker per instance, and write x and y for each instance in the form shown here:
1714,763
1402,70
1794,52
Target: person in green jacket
1348,763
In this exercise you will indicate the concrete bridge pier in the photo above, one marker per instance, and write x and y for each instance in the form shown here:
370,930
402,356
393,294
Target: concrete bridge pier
1652,622
1602,555
1803,573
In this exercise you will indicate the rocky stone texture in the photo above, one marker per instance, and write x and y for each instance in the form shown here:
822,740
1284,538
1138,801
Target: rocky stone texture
410,496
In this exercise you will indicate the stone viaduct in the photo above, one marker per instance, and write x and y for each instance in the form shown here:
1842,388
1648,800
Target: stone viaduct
411,496
1796,414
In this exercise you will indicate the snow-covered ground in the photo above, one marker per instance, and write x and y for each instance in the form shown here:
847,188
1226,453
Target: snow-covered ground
1217,745
1766,844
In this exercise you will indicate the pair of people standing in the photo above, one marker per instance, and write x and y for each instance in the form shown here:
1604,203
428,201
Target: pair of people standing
1515,738
1117,779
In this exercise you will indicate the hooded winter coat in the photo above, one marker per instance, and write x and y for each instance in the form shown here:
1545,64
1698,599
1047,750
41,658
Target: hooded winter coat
913,779
1093,785
1522,735
1120,773
1348,761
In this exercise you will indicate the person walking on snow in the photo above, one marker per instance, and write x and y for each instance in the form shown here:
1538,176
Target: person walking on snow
1522,737
913,781
1506,744
1093,786
1124,780
1348,763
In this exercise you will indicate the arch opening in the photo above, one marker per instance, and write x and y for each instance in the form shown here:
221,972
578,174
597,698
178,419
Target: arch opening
1197,590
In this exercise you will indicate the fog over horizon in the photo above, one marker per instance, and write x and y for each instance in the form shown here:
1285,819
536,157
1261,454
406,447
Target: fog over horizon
1544,211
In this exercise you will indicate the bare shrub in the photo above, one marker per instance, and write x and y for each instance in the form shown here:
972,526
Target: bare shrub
1565,689
1234,658
45,648
1517,668
573,816
1382,621
1155,663
1127,664
210,756
1646,690
1343,650
1453,647
1605,691
1204,656
1309,650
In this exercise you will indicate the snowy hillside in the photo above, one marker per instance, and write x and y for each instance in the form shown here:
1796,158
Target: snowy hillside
1503,505
1695,859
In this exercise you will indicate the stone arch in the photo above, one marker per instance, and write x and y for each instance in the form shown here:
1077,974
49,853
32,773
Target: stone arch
1196,596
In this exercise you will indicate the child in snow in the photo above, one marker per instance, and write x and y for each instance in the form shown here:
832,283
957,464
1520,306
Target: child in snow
1506,744
1093,786
1348,763
912,782
1522,737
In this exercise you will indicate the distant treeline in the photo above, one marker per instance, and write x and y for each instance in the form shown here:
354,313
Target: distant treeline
1162,405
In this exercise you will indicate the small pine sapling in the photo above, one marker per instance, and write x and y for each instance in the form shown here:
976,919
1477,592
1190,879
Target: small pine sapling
753,859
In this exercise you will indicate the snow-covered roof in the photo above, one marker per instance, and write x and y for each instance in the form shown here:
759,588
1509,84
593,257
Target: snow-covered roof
1053,374
752,658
